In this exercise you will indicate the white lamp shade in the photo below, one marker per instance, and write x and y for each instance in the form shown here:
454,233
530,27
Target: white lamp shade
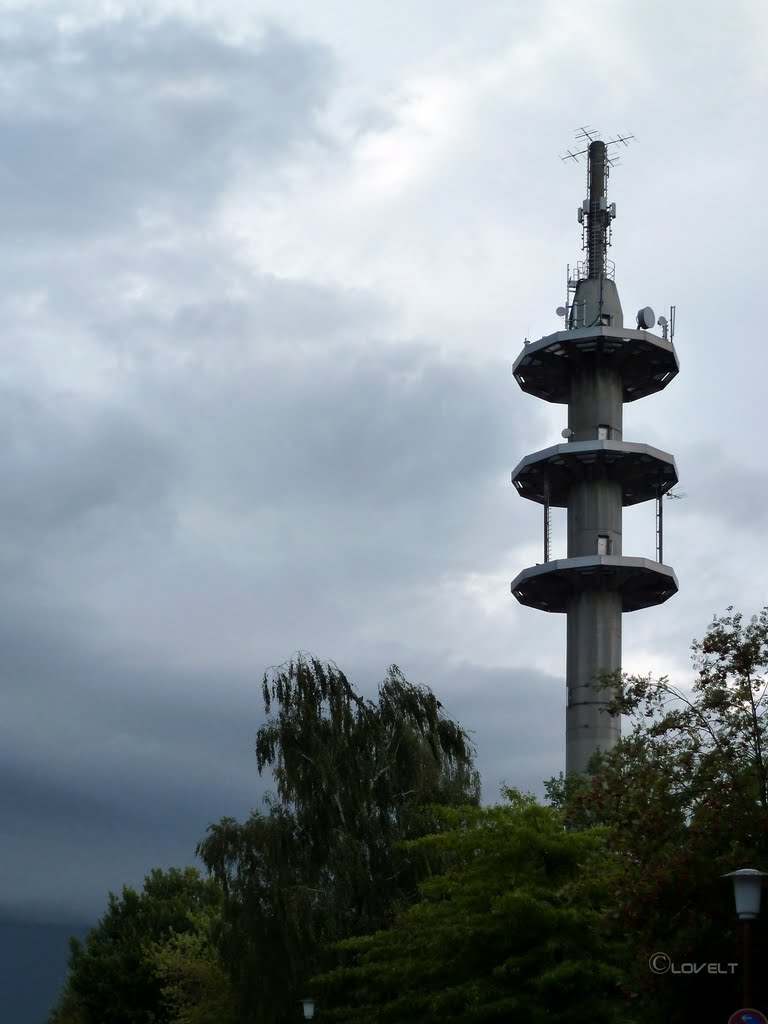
308,1005
747,886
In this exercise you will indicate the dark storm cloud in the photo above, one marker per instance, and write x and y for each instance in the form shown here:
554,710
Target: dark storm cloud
110,767
148,774
130,115
33,796
126,757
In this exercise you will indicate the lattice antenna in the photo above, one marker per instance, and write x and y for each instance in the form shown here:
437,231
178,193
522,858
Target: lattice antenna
590,135
595,213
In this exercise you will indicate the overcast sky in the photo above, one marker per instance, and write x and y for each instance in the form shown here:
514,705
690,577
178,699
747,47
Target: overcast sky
265,274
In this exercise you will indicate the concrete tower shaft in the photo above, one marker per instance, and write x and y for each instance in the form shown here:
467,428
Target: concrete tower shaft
595,404
594,367
593,646
594,614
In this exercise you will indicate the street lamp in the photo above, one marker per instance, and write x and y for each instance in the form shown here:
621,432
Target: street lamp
747,887
308,1005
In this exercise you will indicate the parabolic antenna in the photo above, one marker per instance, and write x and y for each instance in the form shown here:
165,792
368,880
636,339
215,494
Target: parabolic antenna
560,310
646,318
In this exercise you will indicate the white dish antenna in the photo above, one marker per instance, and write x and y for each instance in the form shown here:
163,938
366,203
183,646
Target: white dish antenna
646,318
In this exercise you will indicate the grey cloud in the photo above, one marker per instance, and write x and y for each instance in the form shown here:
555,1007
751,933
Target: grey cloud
67,465
274,321
196,511
518,720
286,402
376,446
129,115
717,486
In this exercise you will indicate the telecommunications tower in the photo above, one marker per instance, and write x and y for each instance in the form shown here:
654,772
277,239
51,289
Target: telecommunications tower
594,366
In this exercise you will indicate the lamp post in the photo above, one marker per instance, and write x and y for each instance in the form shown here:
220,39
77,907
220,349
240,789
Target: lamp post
747,887
308,1005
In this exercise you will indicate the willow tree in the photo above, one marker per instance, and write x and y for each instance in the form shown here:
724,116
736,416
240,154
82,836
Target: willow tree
354,777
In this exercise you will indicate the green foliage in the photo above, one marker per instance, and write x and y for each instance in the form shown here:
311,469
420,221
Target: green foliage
195,986
272,920
110,980
354,778
506,930
335,755
684,796
69,1009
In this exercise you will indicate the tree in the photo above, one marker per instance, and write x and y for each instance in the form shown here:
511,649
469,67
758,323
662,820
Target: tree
353,777
68,1009
110,979
684,796
195,987
506,930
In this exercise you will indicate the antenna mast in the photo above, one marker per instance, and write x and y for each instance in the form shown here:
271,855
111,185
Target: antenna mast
595,303
598,214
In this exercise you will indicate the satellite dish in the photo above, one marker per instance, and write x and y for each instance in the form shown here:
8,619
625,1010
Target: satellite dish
560,310
646,318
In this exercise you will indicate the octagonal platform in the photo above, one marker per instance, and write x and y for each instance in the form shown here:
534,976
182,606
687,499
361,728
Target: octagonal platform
647,363
642,582
643,472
